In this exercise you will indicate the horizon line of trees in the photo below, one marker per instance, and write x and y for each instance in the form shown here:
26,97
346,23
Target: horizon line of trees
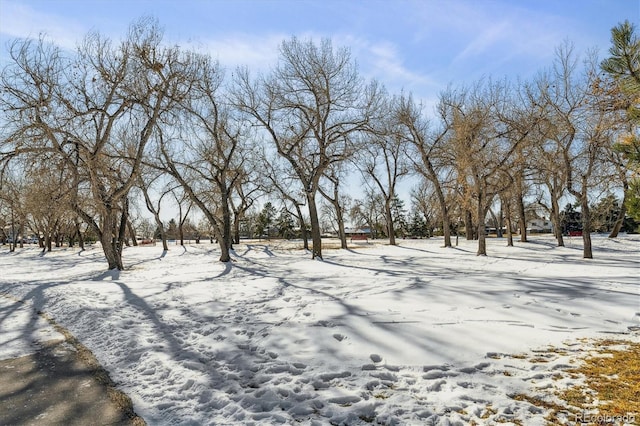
84,134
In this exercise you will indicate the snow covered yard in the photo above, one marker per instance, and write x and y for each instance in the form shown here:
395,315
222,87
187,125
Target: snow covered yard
415,334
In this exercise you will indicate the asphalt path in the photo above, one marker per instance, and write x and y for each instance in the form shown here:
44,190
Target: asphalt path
55,381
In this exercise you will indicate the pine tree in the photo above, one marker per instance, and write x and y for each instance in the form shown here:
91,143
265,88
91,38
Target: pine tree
285,224
172,230
624,67
399,214
418,225
265,219
624,63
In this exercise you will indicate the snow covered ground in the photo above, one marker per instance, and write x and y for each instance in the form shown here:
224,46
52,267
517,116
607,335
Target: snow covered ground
415,334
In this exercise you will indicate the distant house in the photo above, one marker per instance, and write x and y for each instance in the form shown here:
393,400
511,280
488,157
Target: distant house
349,232
539,226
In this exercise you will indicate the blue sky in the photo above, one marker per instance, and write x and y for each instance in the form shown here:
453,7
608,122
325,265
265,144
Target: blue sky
418,46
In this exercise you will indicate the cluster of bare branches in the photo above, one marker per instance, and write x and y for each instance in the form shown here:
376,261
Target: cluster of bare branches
86,132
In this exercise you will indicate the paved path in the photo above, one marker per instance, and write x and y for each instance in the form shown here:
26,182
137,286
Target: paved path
57,382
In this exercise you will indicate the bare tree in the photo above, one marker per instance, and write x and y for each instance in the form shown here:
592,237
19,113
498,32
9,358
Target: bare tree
428,143
482,144
281,181
184,204
582,130
248,187
311,106
383,160
333,177
369,211
550,175
424,200
206,156
145,183
95,112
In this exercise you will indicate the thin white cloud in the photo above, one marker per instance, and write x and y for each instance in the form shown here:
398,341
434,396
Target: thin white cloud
487,38
384,61
492,30
259,53
22,21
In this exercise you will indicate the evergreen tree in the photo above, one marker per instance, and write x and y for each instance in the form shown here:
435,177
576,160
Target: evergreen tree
399,214
285,224
172,230
624,63
624,67
265,219
418,225
570,219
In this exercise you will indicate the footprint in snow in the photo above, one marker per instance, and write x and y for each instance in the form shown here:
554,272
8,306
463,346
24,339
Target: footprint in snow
339,337
375,358
433,374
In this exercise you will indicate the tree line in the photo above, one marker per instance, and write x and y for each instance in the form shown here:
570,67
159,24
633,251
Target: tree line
84,133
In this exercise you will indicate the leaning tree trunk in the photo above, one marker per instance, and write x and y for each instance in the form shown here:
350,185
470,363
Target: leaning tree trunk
132,233
316,237
303,227
79,234
587,252
444,209
617,226
556,221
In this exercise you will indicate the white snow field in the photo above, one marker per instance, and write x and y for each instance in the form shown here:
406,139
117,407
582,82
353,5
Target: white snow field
414,334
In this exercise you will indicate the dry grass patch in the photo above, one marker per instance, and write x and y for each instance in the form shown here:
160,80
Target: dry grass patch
612,380
610,377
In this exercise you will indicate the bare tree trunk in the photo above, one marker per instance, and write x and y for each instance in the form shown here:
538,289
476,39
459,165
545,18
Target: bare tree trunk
390,231
79,234
482,238
156,216
507,216
623,211
132,233
587,252
341,232
303,227
109,242
236,228
444,208
509,232
556,222
522,219
446,228
497,223
468,225
12,242
226,225
316,238
47,243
